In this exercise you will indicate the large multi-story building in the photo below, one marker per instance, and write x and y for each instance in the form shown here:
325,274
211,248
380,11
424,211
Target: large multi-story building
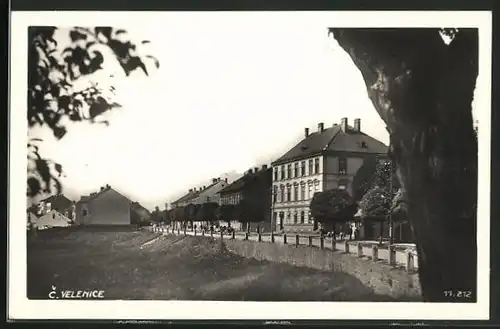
326,159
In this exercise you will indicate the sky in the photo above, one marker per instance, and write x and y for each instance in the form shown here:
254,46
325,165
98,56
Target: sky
227,97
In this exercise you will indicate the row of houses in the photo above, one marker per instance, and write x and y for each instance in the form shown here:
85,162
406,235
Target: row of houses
106,207
327,158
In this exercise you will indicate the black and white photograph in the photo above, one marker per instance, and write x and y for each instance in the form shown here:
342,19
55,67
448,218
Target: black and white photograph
250,165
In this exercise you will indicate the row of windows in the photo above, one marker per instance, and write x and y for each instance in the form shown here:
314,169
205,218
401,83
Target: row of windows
299,169
292,217
295,193
231,199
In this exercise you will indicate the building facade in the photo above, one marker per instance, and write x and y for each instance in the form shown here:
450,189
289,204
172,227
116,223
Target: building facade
197,196
106,207
326,159
253,187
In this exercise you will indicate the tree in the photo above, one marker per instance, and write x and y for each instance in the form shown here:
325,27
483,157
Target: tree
364,177
377,201
250,210
178,214
156,215
226,213
207,212
190,212
332,206
54,97
423,88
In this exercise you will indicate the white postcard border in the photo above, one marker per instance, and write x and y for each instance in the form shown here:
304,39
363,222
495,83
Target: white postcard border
19,307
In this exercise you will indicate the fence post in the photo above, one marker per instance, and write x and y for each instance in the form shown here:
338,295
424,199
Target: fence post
360,249
310,241
334,244
260,237
202,232
194,232
321,242
346,244
211,233
284,238
222,236
409,260
233,235
272,237
246,235
375,253
297,240
185,233
178,231
392,255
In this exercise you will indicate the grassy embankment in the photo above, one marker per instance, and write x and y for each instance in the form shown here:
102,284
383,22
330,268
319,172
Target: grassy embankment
126,266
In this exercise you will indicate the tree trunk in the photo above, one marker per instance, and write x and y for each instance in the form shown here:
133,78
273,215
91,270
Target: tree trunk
423,90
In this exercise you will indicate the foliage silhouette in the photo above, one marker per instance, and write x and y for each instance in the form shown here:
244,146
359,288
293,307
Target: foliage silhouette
54,100
332,206
421,82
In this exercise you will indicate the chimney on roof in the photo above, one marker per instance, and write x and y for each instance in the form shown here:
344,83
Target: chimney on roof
264,167
218,179
190,190
204,187
357,125
194,189
225,179
102,188
249,171
321,127
214,180
201,188
306,132
343,124
255,169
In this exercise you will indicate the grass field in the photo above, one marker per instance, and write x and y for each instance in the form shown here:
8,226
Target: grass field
126,266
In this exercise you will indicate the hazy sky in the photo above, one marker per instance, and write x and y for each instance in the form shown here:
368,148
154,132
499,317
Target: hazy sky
227,97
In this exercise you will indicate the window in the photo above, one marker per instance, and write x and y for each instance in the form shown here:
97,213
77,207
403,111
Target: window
310,194
282,172
288,217
310,167
53,216
342,187
295,193
303,192
276,174
302,217
316,186
303,168
289,171
295,217
288,193
342,166
296,170
208,199
275,192
282,199
84,212
316,166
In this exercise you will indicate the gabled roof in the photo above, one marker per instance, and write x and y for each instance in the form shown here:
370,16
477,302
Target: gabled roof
87,198
136,206
194,194
241,182
333,139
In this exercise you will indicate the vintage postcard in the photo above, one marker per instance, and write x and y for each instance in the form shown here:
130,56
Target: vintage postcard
249,165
